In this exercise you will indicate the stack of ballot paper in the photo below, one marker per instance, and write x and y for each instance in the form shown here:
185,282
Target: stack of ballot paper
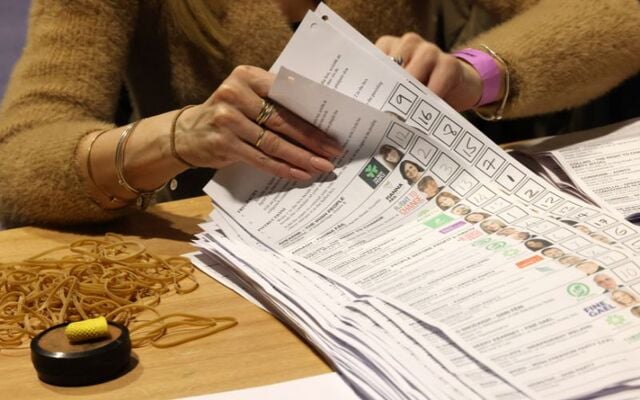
444,271
603,168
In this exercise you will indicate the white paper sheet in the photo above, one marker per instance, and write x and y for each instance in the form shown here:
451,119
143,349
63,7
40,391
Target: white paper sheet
319,387
608,167
381,274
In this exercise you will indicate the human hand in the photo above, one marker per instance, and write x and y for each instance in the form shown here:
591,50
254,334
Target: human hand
222,131
455,81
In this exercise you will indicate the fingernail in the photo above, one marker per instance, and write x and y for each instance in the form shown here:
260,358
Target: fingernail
321,164
299,174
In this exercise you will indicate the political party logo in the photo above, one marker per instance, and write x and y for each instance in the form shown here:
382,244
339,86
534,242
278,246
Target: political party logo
374,173
578,290
438,221
615,320
543,268
634,338
598,308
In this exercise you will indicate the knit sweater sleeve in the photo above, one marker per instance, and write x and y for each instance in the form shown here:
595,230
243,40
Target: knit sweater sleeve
562,54
505,9
65,85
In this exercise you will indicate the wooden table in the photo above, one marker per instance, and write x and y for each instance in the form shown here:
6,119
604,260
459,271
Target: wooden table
258,351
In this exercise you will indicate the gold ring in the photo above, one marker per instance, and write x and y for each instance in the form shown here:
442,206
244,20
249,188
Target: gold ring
398,60
260,138
265,112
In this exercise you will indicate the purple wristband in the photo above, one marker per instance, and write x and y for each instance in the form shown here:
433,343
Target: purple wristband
488,70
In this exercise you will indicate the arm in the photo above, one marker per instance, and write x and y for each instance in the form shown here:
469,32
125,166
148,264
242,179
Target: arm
505,9
64,93
221,131
562,54
64,86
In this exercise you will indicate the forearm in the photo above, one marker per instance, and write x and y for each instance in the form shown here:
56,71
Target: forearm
47,181
39,176
148,162
563,54
505,9
64,87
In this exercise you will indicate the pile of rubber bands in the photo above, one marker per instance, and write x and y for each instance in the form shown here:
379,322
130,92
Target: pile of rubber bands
109,277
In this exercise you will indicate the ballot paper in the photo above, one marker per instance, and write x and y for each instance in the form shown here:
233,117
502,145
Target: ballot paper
320,387
430,264
604,168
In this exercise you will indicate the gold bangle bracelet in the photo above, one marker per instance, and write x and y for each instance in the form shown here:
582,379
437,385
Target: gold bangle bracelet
172,136
498,114
144,198
112,198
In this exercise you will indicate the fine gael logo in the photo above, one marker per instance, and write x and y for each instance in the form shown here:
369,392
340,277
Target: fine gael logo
615,320
578,290
374,173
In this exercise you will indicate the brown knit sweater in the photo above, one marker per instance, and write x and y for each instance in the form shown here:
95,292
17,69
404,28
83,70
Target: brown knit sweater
79,52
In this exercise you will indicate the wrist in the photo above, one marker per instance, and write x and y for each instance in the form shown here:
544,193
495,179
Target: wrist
96,154
489,72
149,162
173,140
472,83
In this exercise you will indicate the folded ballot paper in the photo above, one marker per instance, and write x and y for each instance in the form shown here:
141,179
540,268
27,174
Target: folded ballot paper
430,264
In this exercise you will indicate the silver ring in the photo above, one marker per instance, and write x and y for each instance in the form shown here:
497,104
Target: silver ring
265,112
398,60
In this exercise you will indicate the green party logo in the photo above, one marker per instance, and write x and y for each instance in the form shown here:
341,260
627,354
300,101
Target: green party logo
578,290
374,173
438,221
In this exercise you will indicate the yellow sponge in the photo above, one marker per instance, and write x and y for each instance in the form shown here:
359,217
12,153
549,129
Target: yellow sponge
88,329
